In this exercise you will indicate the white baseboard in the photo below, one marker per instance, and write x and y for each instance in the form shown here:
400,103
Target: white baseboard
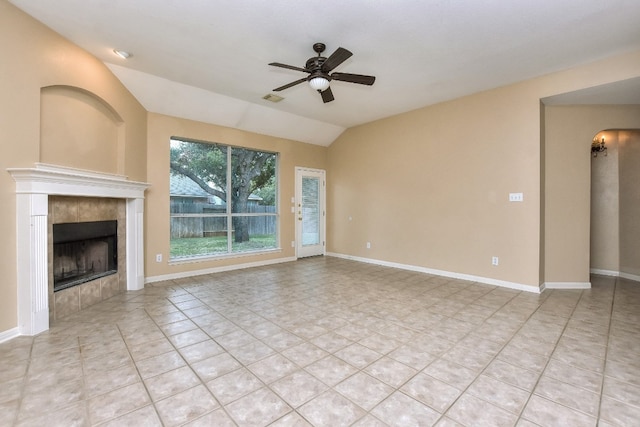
9,334
601,272
182,275
634,277
479,279
567,285
628,276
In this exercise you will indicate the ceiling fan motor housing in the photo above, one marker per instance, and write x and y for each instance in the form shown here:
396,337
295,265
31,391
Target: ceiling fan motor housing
315,63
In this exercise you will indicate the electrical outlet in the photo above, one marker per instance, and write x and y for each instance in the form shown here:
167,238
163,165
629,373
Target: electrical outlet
293,243
516,197
494,260
368,245
158,257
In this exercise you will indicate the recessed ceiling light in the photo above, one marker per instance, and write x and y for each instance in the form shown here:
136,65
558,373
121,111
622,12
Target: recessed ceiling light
122,53
273,98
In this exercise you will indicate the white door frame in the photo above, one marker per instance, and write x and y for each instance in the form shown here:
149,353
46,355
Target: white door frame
300,172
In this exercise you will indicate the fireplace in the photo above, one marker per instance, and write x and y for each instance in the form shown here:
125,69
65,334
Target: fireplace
33,187
83,251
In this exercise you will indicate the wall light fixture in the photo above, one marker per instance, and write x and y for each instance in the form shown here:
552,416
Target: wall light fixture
597,146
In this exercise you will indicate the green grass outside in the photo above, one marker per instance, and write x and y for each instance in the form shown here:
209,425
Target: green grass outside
195,246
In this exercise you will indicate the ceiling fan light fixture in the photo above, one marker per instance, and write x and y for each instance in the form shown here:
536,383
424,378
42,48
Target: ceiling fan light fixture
319,83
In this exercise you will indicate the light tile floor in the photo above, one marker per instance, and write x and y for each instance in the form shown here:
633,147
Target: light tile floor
331,342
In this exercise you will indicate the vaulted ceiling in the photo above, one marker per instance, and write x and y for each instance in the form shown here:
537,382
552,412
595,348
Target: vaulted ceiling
208,60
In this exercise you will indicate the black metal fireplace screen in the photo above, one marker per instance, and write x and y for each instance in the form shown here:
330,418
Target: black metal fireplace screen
84,251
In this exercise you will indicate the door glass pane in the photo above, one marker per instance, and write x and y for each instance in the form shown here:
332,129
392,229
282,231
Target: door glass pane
310,211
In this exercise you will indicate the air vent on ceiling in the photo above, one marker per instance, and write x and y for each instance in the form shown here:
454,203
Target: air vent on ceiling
273,98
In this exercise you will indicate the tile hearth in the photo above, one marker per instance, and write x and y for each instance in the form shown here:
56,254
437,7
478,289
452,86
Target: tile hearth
330,342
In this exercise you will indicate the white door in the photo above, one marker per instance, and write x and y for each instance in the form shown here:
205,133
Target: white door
310,212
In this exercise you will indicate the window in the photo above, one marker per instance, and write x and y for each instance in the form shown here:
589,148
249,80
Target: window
222,199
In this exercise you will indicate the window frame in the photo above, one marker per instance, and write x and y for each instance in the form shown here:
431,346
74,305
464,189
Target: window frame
229,215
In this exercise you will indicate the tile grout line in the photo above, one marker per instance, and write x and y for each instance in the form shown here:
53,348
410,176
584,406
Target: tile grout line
606,351
462,392
443,414
23,387
243,366
139,375
520,417
202,382
438,357
398,388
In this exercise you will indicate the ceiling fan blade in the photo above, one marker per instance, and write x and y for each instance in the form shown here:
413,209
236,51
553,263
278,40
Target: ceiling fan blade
290,67
354,78
287,86
327,95
338,57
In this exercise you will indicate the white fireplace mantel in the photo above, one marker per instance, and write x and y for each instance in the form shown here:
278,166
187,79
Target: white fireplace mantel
33,188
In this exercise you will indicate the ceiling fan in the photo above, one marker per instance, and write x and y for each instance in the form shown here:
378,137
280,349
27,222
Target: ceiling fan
319,67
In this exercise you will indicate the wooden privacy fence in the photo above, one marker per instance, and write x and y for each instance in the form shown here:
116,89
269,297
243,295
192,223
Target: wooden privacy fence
216,226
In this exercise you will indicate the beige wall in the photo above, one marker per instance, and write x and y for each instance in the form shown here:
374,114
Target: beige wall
629,143
543,206
605,207
34,58
429,188
74,121
160,129
569,132
615,205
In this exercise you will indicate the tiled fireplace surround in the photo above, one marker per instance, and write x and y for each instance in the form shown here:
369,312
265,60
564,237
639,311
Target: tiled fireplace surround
48,193
71,209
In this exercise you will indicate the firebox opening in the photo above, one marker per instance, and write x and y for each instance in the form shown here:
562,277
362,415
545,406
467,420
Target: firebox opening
83,251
